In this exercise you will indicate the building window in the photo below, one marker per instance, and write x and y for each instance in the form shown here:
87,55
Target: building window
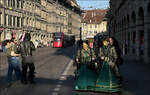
22,2
18,3
90,26
9,20
14,21
8,3
5,19
11,3
14,3
95,26
22,21
95,32
18,21
90,32
27,21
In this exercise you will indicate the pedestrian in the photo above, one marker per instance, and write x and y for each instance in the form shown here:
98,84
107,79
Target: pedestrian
13,59
26,47
113,42
107,81
87,77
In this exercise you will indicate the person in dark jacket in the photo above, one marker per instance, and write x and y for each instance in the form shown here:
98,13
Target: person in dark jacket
26,47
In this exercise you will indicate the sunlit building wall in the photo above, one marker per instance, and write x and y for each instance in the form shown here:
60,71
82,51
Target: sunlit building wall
93,22
39,17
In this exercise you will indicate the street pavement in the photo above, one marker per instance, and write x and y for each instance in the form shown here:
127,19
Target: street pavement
55,76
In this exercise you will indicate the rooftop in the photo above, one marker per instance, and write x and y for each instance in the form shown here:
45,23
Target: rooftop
93,16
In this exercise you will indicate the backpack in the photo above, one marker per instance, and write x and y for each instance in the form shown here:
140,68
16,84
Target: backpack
28,58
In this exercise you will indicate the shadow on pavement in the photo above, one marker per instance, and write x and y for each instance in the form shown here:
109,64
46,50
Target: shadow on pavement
43,86
67,51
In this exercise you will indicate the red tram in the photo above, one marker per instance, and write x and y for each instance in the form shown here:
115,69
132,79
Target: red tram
63,40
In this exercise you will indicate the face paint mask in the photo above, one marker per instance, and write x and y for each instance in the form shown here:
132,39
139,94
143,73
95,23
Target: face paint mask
105,43
85,46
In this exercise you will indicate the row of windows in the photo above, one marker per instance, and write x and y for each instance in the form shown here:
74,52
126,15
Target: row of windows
10,20
15,3
90,32
92,26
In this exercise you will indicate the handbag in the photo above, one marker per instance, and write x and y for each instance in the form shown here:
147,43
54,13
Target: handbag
27,58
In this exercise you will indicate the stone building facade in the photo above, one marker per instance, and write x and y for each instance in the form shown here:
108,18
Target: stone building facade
129,23
39,17
93,22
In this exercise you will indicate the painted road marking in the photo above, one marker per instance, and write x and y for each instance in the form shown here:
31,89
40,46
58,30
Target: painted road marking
54,93
67,69
58,85
56,89
62,78
60,82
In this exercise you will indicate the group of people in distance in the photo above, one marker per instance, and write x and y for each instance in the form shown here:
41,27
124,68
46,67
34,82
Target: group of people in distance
98,72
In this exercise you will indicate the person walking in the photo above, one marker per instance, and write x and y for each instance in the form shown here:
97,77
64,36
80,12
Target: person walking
26,47
119,60
107,81
13,59
87,77
114,43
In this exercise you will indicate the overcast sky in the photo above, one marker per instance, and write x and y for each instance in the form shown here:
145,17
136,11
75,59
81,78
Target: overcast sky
93,4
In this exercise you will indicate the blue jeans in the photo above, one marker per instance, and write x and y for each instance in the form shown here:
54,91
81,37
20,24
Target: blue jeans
13,65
